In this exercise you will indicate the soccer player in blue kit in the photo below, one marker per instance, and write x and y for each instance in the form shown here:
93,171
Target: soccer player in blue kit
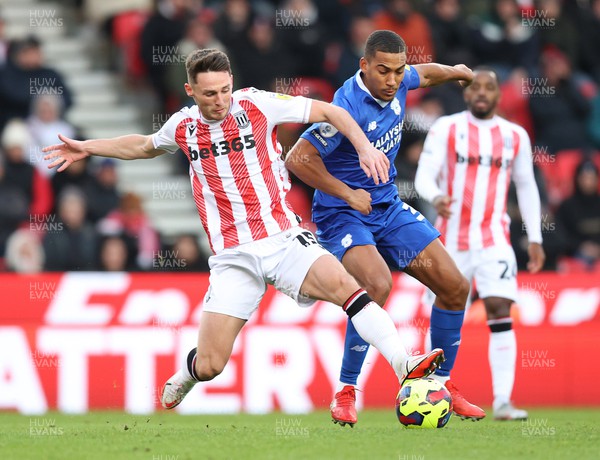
365,223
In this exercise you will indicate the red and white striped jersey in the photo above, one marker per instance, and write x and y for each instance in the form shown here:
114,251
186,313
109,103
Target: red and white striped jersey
472,161
239,180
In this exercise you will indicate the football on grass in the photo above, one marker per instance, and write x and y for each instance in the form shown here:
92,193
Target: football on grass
423,403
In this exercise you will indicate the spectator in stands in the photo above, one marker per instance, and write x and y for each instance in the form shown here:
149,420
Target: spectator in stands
3,43
579,215
115,255
159,39
187,255
594,121
449,32
70,244
420,118
514,104
22,175
101,192
561,31
590,29
24,252
233,23
264,59
303,34
80,177
24,77
399,16
130,220
353,48
199,35
44,124
450,96
558,107
503,41
14,207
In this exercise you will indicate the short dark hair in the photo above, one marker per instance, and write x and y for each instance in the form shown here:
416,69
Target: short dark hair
206,60
385,41
489,69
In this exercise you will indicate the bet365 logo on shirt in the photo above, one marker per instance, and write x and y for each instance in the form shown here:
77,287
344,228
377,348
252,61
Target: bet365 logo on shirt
224,147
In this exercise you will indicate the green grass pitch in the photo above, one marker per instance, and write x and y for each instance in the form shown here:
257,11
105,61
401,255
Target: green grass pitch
548,434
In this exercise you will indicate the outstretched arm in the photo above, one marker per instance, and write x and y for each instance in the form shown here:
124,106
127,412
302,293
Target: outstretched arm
130,147
306,163
435,74
373,162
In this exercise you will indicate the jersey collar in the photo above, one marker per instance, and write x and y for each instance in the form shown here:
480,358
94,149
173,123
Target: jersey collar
362,86
483,123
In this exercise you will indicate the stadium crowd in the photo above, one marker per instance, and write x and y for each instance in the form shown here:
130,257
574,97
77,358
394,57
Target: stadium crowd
545,53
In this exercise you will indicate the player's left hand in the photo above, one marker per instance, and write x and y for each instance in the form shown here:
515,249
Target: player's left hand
537,257
375,164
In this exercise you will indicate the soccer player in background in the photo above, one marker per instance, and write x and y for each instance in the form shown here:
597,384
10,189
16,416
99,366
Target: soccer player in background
465,170
239,184
365,224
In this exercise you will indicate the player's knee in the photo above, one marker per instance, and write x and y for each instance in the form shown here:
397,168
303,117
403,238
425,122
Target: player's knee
379,289
346,286
455,296
463,291
209,366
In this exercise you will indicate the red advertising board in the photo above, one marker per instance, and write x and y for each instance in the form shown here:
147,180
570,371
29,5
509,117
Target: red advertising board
83,341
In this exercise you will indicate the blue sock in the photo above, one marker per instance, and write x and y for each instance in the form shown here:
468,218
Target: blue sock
445,334
355,352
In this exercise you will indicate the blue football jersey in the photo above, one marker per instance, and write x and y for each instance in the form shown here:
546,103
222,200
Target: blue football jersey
382,123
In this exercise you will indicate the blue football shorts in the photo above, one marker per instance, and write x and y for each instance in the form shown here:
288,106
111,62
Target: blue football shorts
398,231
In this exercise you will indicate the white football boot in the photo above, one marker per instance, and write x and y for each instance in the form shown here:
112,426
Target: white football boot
507,411
175,389
419,366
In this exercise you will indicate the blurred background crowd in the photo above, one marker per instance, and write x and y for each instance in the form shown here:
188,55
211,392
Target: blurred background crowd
87,68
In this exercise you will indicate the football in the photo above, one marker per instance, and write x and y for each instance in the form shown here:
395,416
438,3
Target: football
424,403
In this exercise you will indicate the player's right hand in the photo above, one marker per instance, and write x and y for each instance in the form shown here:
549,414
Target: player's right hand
64,154
468,72
375,164
442,205
360,200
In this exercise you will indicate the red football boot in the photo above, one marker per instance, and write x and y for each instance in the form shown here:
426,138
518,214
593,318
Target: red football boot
342,407
463,408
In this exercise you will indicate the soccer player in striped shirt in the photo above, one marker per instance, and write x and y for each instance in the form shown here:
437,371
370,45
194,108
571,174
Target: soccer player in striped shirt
467,163
239,184
366,224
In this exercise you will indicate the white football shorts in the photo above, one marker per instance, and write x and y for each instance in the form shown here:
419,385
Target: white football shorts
239,275
493,269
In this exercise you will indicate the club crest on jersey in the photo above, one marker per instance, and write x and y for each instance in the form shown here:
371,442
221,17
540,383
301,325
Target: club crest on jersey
327,130
285,97
241,118
508,143
395,106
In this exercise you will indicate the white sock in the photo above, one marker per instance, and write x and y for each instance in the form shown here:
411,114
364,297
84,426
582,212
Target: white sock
376,327
502,355
440,378
341,385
